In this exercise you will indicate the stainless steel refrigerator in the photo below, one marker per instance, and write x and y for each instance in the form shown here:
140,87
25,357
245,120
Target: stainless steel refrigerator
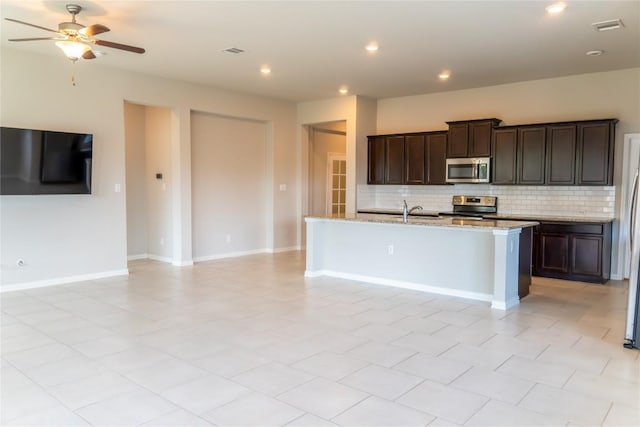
632,332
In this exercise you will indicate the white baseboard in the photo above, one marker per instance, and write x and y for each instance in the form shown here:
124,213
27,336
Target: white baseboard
212,257
400,284
63,280
287,249
616,277
505,305
245,253
230,255
160,258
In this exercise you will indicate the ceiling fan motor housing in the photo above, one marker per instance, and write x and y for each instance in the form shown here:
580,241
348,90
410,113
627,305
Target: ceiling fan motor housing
70,28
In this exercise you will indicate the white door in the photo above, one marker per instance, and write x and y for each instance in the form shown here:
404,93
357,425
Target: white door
336,184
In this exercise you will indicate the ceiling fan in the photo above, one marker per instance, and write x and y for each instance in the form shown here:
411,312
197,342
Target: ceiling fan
75,39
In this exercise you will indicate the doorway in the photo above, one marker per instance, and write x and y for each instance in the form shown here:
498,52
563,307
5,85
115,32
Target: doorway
148,189
230,186
327,168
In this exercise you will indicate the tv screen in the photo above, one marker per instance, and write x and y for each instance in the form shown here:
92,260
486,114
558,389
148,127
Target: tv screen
44,162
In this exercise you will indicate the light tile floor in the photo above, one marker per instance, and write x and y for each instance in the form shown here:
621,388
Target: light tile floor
250,341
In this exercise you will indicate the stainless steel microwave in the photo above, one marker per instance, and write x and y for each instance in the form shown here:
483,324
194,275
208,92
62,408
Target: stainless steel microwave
471,170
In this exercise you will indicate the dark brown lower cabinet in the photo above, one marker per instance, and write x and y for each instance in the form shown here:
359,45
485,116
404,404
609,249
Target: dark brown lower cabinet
573,251
554,251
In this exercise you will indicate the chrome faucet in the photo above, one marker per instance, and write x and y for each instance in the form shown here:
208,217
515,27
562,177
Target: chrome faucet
406,211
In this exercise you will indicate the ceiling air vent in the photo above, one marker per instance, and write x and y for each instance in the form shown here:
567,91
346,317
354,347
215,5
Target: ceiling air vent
612,24
233,50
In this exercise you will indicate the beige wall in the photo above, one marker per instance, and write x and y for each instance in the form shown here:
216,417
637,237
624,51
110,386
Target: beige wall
136,171
149,200
229,186
358,113
73,237
159,192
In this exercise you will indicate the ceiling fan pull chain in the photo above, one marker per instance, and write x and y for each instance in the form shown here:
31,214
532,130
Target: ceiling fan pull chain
73,72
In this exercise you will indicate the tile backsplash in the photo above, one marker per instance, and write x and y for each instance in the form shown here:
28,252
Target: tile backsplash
517,200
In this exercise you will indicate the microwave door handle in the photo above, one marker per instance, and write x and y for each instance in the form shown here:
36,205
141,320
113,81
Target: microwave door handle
476,171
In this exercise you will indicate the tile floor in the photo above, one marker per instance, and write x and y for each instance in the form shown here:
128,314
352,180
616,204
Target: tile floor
250,341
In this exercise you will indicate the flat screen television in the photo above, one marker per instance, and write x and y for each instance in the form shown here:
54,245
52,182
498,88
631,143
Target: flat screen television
44,162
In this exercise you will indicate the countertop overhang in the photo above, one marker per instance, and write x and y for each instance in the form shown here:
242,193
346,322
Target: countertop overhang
430,221
509,217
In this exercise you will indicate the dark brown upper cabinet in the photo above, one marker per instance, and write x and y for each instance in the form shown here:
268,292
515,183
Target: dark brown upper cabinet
394,165
561,154
594,163
570,153
505,149
470,138
531,155
458,144
413,159
376,160
436,148
415,164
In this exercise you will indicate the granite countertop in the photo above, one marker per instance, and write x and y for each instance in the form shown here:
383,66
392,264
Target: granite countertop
552,218
501,217
416,220
384,211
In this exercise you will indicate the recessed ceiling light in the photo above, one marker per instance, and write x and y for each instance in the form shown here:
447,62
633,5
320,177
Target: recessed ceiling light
265,70
444,75
343,90
612,24
555,8
595,52
372,47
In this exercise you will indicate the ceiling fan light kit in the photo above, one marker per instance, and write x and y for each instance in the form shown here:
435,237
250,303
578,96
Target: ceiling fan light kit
75,39
73,50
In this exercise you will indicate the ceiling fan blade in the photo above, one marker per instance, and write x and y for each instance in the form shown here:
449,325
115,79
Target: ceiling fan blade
88,54
31,25
36,38
119,46
93,30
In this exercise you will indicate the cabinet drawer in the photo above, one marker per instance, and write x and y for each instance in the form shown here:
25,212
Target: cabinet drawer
571,228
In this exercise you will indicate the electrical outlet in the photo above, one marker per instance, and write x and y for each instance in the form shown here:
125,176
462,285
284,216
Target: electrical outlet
162,241
390,249
228,238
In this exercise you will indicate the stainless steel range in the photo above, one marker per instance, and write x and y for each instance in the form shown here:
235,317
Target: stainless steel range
472,206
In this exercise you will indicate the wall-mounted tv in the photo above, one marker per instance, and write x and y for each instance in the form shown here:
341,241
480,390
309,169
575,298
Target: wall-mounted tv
44,162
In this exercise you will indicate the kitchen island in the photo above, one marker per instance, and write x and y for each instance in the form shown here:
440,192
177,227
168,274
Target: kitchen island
458,257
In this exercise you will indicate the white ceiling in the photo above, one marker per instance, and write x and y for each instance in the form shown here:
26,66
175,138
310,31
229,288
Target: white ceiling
314,47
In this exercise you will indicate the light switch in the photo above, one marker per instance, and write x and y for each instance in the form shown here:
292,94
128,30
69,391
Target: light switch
283,187
117,188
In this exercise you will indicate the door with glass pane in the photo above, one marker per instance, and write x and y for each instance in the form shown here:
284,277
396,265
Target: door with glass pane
336,184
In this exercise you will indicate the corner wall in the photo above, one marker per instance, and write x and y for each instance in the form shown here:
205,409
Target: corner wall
70,238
